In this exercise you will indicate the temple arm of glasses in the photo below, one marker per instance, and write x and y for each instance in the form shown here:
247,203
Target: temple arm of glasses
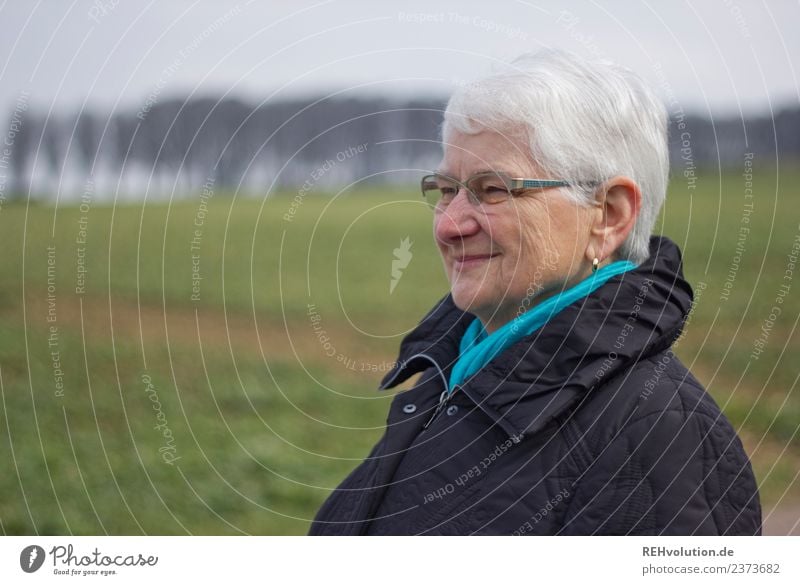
544,183
537,183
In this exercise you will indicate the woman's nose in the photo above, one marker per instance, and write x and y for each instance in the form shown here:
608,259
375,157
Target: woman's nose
457,220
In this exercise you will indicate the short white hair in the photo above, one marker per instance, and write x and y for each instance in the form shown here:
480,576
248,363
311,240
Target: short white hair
583,120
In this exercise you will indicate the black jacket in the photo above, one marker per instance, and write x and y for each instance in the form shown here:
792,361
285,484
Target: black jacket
590,425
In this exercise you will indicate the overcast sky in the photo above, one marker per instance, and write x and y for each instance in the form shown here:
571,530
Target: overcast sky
714,56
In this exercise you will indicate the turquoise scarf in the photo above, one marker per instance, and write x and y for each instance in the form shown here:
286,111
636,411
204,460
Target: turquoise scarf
477,348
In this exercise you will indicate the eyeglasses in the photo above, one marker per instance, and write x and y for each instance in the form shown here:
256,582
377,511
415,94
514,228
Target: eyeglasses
482,188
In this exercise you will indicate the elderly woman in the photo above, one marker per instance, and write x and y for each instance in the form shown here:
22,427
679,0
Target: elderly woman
550,401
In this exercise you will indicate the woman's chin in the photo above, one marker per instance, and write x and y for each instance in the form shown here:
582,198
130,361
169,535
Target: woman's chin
468,300
461,300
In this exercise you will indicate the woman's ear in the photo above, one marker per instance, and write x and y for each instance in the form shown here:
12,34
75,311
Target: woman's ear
621,200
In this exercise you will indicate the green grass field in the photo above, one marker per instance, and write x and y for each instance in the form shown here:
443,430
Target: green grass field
138,398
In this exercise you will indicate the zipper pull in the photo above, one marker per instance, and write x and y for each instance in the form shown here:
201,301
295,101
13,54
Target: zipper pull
444,397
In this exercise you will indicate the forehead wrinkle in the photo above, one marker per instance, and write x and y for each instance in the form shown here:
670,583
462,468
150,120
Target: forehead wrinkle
497,169
484,152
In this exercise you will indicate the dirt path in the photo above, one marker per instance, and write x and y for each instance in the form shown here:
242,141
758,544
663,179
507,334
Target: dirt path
782,520
153,325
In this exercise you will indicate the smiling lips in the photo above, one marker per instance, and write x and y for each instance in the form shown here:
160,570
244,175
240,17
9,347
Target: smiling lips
468,261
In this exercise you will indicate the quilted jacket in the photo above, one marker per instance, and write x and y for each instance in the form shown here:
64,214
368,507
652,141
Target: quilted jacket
590,425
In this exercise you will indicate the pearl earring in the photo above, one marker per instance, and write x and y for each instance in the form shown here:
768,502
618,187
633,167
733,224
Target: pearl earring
595,262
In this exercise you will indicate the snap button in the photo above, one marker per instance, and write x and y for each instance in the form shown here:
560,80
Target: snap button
409,408
452,409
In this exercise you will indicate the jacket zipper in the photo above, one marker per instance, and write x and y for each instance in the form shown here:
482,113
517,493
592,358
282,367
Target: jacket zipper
444,398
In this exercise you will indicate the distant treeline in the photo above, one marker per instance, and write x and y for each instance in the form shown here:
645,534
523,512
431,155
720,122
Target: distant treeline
175,147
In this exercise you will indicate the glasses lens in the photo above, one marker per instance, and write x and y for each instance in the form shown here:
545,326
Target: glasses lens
489,188
438,190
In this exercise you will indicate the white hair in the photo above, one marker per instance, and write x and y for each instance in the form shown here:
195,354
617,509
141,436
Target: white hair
583,121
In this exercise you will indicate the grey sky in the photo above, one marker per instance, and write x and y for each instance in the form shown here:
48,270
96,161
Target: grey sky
713,56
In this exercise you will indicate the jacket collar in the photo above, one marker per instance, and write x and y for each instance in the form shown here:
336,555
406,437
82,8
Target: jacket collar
631,317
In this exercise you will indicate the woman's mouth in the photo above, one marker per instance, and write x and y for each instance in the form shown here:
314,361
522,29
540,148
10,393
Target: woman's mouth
470,261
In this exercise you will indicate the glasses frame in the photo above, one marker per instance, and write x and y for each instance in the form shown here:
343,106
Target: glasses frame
515,186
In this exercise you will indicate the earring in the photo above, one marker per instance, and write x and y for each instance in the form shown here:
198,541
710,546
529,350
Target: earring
595,262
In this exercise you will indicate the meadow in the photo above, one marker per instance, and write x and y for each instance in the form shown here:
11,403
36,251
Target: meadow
210,366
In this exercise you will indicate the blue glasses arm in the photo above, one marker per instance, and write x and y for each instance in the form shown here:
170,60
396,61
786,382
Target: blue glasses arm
537,183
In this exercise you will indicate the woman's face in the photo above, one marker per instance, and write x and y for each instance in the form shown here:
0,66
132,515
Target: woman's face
501,259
